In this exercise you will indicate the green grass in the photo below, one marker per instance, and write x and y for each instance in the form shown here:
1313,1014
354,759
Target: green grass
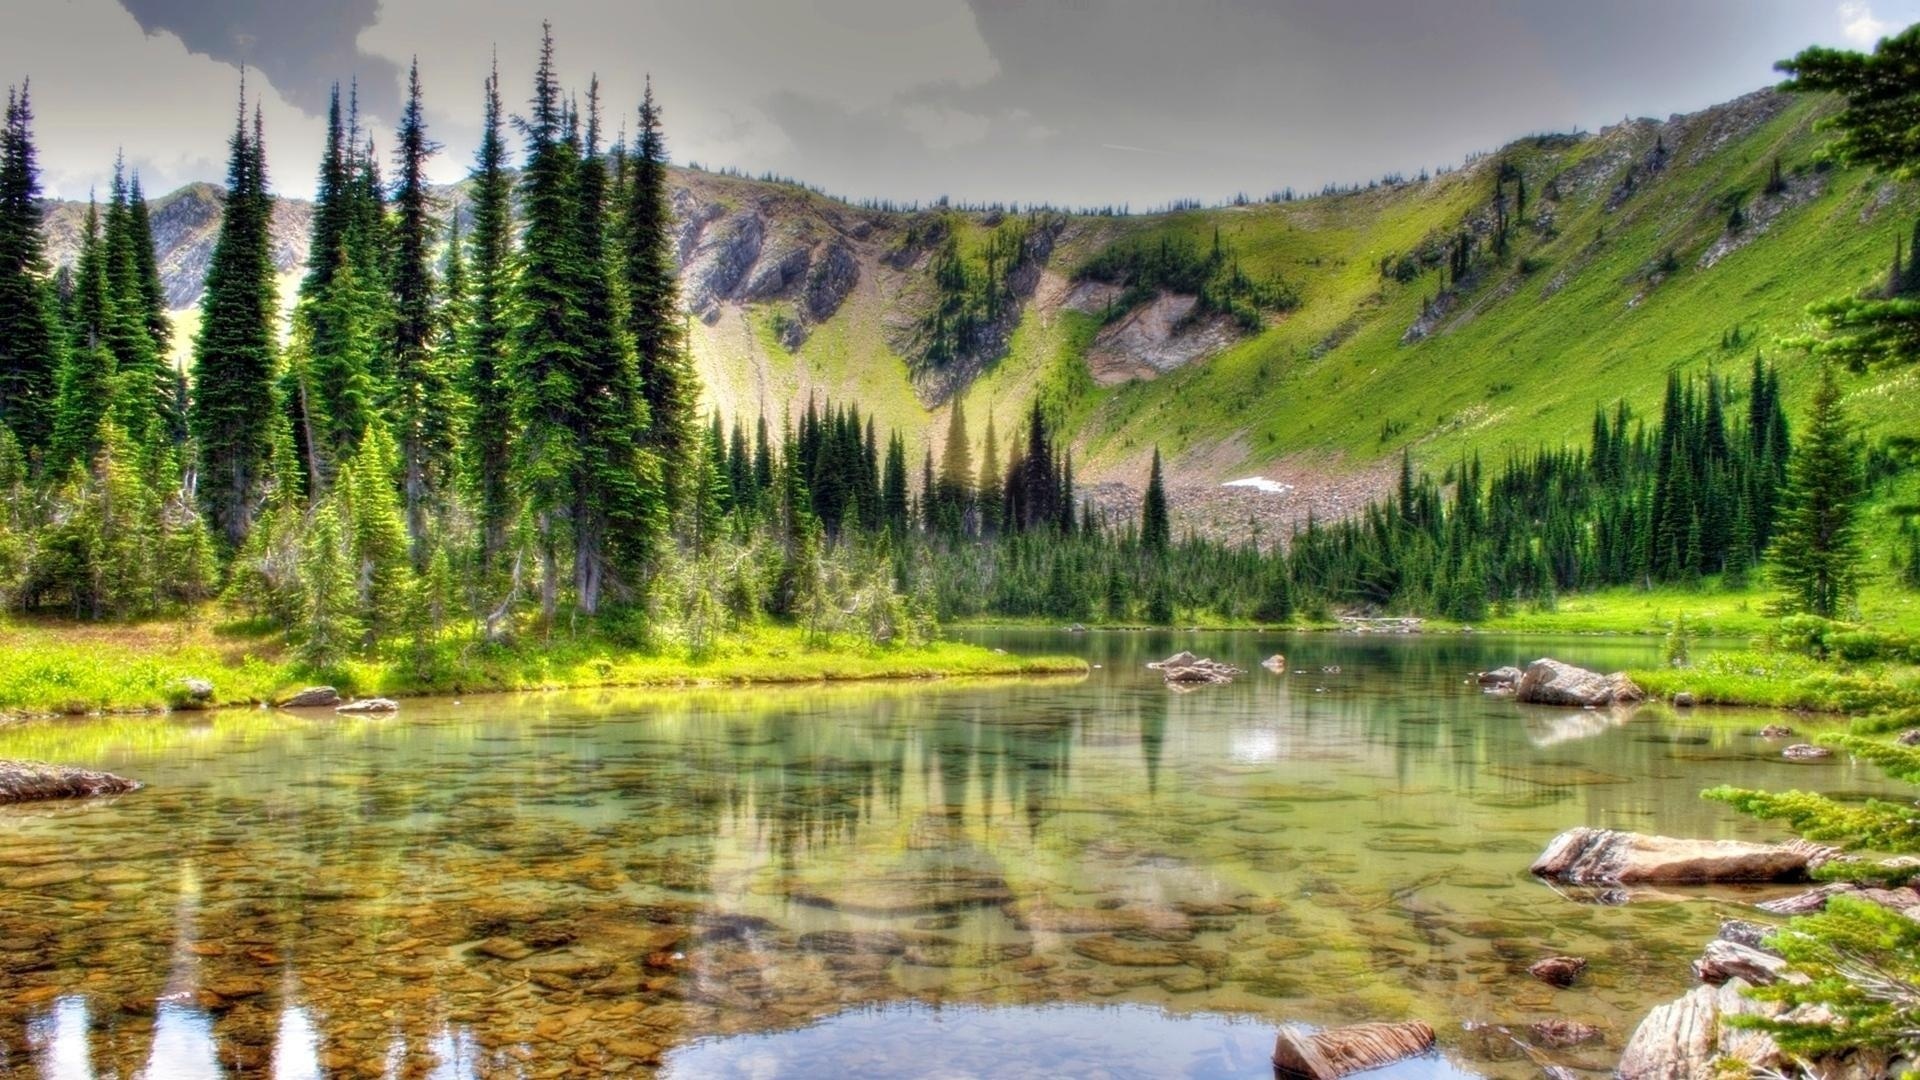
51,668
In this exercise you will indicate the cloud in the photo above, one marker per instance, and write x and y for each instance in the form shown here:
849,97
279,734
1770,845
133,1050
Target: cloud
102,84
302,46
1857,21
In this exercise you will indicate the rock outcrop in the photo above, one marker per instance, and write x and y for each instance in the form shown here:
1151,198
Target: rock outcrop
1682,1039
1585,856
1337,1052
313,697
1186,668
1550,682
28,781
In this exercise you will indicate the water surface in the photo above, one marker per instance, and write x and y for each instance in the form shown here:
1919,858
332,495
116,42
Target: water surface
1092,877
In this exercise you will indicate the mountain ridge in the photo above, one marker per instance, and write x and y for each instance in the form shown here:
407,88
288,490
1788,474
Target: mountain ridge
1639,249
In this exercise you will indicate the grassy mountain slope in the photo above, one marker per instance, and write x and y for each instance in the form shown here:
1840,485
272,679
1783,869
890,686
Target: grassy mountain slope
1627,263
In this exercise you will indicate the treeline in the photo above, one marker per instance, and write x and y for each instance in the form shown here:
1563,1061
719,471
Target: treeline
469,435
1697,493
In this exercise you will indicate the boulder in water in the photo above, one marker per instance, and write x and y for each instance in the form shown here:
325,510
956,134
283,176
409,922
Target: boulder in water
1775,731
313,697
1724,960
1684,700
27,781
1499,677
1337,1052
1550,682
370,705
1586,856
1186,668
1805,752
1275,663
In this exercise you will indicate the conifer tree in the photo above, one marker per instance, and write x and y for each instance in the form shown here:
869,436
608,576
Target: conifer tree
666,374
232,410
31,343
484,345
953,496
548,347
333,626
377,535
170,381
1816,552
87,378
144,390
1156,528
992,490
618,506
423,407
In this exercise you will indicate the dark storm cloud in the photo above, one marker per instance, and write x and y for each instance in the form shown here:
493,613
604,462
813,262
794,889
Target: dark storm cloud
301,46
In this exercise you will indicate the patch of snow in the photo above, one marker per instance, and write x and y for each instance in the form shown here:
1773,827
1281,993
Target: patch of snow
1260,484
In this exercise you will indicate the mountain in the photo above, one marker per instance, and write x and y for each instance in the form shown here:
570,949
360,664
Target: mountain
1304,342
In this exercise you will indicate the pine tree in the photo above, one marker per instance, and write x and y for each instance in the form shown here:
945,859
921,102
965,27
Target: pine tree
423,404
333,626
377,535
1816,552
618,505
666,372
1156,528
484,345
992,489
232,411
953,495
87,378
31,346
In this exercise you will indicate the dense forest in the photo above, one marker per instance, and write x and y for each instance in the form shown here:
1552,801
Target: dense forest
497,432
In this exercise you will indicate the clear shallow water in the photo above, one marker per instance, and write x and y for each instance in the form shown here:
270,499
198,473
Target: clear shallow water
1070,877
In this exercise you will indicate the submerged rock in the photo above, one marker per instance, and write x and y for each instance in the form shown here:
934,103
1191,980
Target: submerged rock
1336,1052
1275,663
27,781
1561,1032
370,705
1558,970
1586,856
1550,682
1775,731
1805,752
313,697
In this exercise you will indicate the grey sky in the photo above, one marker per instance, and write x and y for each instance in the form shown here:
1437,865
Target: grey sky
1071,101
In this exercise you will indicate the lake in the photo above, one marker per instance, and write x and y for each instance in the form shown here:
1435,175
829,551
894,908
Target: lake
1073,877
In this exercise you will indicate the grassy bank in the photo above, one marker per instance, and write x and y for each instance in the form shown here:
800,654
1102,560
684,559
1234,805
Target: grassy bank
59,667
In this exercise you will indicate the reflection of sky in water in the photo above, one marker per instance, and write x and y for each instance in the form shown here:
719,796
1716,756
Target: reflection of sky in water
964,1043
59,1041
296,1048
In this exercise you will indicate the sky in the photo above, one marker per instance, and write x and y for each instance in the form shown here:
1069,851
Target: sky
1073,102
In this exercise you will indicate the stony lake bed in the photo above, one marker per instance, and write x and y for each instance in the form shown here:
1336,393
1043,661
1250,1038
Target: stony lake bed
1088,877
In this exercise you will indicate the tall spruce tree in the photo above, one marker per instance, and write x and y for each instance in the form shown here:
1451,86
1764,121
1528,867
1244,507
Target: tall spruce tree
618,505
485,343
1156,527
1816,550
87,378
31,343
667,377
423,408
232,409
548,345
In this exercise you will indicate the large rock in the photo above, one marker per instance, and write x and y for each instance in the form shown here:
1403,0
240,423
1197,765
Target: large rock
26,781
1683,1039
1585,856
313,697
369,705
1500,677
1558,971
1550,682
1724,960
1184,667
192,693
1336,1052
